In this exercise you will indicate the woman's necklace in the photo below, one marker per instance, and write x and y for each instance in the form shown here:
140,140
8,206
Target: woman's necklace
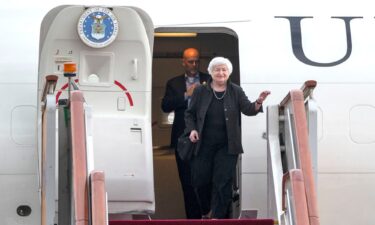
221,96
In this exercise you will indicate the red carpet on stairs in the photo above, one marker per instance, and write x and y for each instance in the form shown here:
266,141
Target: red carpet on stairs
194,222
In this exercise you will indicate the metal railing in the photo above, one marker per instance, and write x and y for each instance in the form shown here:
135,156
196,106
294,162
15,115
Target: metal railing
291,127
48,151
78,181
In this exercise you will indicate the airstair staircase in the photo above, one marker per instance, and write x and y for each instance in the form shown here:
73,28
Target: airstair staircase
291,128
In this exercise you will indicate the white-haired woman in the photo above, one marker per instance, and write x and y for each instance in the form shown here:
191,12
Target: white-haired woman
213,120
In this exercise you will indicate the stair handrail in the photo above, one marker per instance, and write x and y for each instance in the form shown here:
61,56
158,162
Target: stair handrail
49,86
90,201
79,162
48,150
296,100
98,198
307,90
299,204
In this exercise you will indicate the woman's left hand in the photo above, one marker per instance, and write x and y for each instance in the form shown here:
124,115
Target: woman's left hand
194,137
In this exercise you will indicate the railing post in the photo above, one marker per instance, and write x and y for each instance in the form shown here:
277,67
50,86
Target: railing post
48,151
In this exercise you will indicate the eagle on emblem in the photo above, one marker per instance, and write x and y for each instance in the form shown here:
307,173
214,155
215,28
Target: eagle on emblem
98,27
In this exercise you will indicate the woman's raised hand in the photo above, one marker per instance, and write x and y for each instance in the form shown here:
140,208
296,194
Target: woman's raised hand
262,96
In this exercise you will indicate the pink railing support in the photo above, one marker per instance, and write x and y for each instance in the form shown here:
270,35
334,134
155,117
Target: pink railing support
297,184
98,198
302,141
297,99
79,163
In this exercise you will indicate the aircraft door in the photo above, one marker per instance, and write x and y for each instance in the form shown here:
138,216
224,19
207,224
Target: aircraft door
112,47
169,43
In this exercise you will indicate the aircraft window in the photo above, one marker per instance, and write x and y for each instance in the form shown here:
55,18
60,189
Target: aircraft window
362,120
23,125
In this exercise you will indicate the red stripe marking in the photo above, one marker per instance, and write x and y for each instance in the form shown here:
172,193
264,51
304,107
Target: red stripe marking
126,92
65,86
60,92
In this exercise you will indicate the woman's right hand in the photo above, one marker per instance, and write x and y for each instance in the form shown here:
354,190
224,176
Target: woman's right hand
194,137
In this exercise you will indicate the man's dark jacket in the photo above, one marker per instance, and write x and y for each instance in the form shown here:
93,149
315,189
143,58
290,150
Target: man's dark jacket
174,100
235,102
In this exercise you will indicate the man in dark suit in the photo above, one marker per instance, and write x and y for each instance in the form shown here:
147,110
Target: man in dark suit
177,97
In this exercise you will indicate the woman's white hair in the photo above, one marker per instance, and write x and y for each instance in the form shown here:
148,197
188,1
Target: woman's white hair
219,61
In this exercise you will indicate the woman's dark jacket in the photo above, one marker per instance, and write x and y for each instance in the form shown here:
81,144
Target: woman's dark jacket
235,102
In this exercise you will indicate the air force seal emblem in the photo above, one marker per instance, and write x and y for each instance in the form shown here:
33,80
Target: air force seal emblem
98,27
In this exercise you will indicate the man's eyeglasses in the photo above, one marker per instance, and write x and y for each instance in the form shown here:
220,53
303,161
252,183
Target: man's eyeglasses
193,61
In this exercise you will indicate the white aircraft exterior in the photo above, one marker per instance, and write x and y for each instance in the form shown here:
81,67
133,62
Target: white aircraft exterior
337,43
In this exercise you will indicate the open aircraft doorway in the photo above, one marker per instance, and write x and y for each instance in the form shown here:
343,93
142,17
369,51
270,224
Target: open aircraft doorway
169,44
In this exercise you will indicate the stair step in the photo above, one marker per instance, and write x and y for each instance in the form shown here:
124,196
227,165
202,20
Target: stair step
195,222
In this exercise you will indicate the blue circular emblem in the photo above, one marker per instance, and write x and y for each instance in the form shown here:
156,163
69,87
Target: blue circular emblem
98,27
